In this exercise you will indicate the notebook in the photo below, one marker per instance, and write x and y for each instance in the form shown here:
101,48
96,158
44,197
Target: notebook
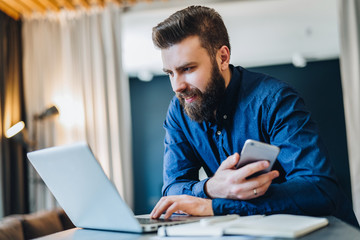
89,198
277,225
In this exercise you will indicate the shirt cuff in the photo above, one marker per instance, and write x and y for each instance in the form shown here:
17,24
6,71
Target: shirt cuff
222,206
218,207
199,189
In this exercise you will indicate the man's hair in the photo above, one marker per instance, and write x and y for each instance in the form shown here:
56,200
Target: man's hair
199,21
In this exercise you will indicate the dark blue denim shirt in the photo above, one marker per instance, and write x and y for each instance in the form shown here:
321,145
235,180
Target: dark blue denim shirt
255,106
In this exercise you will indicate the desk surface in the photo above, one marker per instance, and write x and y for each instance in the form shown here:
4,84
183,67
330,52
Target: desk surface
336,230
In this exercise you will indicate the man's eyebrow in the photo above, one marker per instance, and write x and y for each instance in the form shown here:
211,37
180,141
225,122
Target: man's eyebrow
185,65
179,67
166,70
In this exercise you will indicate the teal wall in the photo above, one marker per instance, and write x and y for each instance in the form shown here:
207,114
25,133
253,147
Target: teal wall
319,83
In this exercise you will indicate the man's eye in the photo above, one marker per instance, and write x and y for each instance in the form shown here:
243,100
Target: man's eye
186,69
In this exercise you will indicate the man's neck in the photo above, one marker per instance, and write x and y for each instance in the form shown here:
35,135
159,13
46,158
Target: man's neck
227,76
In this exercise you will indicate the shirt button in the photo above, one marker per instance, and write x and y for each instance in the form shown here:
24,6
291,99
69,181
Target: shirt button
218,133
225,116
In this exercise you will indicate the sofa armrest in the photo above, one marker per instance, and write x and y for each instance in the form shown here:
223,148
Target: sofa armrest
11,228
29,226
41,224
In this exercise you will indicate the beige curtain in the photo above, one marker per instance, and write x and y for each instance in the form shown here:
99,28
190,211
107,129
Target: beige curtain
349,23
73,60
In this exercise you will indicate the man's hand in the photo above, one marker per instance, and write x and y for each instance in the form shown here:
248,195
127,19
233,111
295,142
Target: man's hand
229,182
182,203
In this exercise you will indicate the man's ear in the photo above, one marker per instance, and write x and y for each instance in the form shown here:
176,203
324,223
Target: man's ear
223,57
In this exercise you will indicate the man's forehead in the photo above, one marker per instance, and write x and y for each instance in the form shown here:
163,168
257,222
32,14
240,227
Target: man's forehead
178,61
187,51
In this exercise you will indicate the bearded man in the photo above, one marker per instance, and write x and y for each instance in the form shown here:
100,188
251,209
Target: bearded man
218,107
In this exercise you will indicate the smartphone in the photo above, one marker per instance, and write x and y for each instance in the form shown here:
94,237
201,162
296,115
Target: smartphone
256,151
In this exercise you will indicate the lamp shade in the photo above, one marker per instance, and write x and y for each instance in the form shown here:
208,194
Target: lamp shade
15,129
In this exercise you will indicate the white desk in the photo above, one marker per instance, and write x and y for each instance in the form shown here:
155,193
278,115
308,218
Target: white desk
336,230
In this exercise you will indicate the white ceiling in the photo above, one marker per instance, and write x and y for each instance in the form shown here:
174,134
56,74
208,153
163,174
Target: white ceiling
262,32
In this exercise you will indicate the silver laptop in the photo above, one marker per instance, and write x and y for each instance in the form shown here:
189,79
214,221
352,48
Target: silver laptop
89,198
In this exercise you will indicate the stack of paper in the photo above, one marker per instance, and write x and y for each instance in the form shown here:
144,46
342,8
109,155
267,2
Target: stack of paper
278,225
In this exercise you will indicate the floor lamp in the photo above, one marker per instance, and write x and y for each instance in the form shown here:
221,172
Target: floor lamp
36,182
20,134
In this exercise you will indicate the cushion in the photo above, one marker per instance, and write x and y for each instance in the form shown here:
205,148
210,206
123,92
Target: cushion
41,224
11,229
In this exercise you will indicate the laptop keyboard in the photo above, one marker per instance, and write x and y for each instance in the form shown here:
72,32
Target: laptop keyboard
152,221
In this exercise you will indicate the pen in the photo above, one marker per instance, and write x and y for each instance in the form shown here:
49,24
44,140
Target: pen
210,221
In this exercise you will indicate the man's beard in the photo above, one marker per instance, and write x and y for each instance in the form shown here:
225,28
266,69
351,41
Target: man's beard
204,106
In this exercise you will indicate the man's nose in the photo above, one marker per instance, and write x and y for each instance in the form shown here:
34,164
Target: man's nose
178,84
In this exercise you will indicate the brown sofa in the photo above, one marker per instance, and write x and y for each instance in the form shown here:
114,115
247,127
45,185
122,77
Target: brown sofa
29,226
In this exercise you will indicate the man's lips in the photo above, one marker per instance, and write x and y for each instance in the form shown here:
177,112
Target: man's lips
190,99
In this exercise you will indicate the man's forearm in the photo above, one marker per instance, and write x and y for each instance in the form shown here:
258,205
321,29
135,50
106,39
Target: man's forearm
297,196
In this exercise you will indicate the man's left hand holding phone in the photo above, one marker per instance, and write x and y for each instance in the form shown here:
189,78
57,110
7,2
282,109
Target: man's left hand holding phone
232,183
